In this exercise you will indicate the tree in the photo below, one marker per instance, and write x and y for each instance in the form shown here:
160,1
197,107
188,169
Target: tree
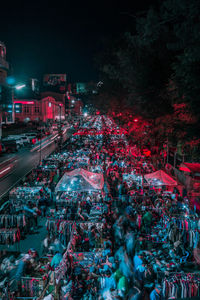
163,50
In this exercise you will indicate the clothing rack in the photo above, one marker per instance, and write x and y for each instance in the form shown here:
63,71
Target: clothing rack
61,228
184,273
9,236
181,285
10,221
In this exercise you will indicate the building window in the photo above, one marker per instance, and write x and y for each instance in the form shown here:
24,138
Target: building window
37,109
26,109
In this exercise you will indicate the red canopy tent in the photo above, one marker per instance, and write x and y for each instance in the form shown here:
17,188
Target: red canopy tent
160,178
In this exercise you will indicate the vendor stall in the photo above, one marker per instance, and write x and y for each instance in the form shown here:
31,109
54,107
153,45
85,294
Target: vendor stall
160,178
132,179
80,180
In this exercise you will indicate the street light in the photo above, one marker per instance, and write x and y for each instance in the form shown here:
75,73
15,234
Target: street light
60,129
19,87
11,84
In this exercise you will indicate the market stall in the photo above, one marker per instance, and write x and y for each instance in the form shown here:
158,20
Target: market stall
132,179
160,178
22,195
80,180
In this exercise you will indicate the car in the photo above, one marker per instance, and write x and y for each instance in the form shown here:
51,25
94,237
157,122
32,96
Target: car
10,145
25,139
18,139
31,136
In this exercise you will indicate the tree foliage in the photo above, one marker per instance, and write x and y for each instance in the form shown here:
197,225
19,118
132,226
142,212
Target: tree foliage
163,50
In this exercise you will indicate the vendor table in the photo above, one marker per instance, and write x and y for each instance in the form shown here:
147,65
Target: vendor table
31,286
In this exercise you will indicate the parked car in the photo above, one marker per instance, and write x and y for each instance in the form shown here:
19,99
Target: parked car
31,136
17,138
10,145
25,139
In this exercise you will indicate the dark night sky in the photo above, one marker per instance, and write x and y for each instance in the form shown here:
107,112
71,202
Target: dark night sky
61,37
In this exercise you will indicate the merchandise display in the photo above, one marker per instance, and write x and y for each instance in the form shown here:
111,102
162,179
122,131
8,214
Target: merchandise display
113,227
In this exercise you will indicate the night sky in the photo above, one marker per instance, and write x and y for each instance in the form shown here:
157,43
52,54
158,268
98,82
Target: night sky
61,37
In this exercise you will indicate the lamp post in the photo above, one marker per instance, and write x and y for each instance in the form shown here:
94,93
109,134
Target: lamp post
17,87
40,145
60,129
11,84
60,114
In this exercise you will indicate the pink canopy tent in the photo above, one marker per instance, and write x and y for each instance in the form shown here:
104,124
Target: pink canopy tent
80,180
160,178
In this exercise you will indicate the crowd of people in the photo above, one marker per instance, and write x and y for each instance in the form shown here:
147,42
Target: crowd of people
122,240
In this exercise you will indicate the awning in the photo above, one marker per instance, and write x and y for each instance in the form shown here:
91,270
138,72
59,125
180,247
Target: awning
190,168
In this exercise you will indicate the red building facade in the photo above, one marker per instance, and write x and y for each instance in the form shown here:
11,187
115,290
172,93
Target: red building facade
45,110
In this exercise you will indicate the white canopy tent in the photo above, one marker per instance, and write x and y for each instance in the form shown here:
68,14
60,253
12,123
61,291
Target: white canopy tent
80,180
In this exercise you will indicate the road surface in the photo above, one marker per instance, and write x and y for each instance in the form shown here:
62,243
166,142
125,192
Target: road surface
24,162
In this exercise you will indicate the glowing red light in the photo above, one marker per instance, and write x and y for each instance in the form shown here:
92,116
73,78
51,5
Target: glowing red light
23,102
135,120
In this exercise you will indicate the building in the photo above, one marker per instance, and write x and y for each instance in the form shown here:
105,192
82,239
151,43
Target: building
44,110
81,88
75,106
57,96
6,107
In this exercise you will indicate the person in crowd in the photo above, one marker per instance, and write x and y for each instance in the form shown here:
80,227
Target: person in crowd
147,221
137,261
45,245
56,260
156,293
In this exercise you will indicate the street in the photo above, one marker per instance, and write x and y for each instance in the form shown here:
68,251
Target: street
24,161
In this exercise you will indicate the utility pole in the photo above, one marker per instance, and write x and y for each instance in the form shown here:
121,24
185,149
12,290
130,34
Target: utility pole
40,145
167,150
175,159
60,130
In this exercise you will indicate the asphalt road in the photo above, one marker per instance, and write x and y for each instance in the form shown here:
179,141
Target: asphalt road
24,162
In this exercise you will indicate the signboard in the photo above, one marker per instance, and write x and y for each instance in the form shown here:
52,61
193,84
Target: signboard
54,79
55,82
